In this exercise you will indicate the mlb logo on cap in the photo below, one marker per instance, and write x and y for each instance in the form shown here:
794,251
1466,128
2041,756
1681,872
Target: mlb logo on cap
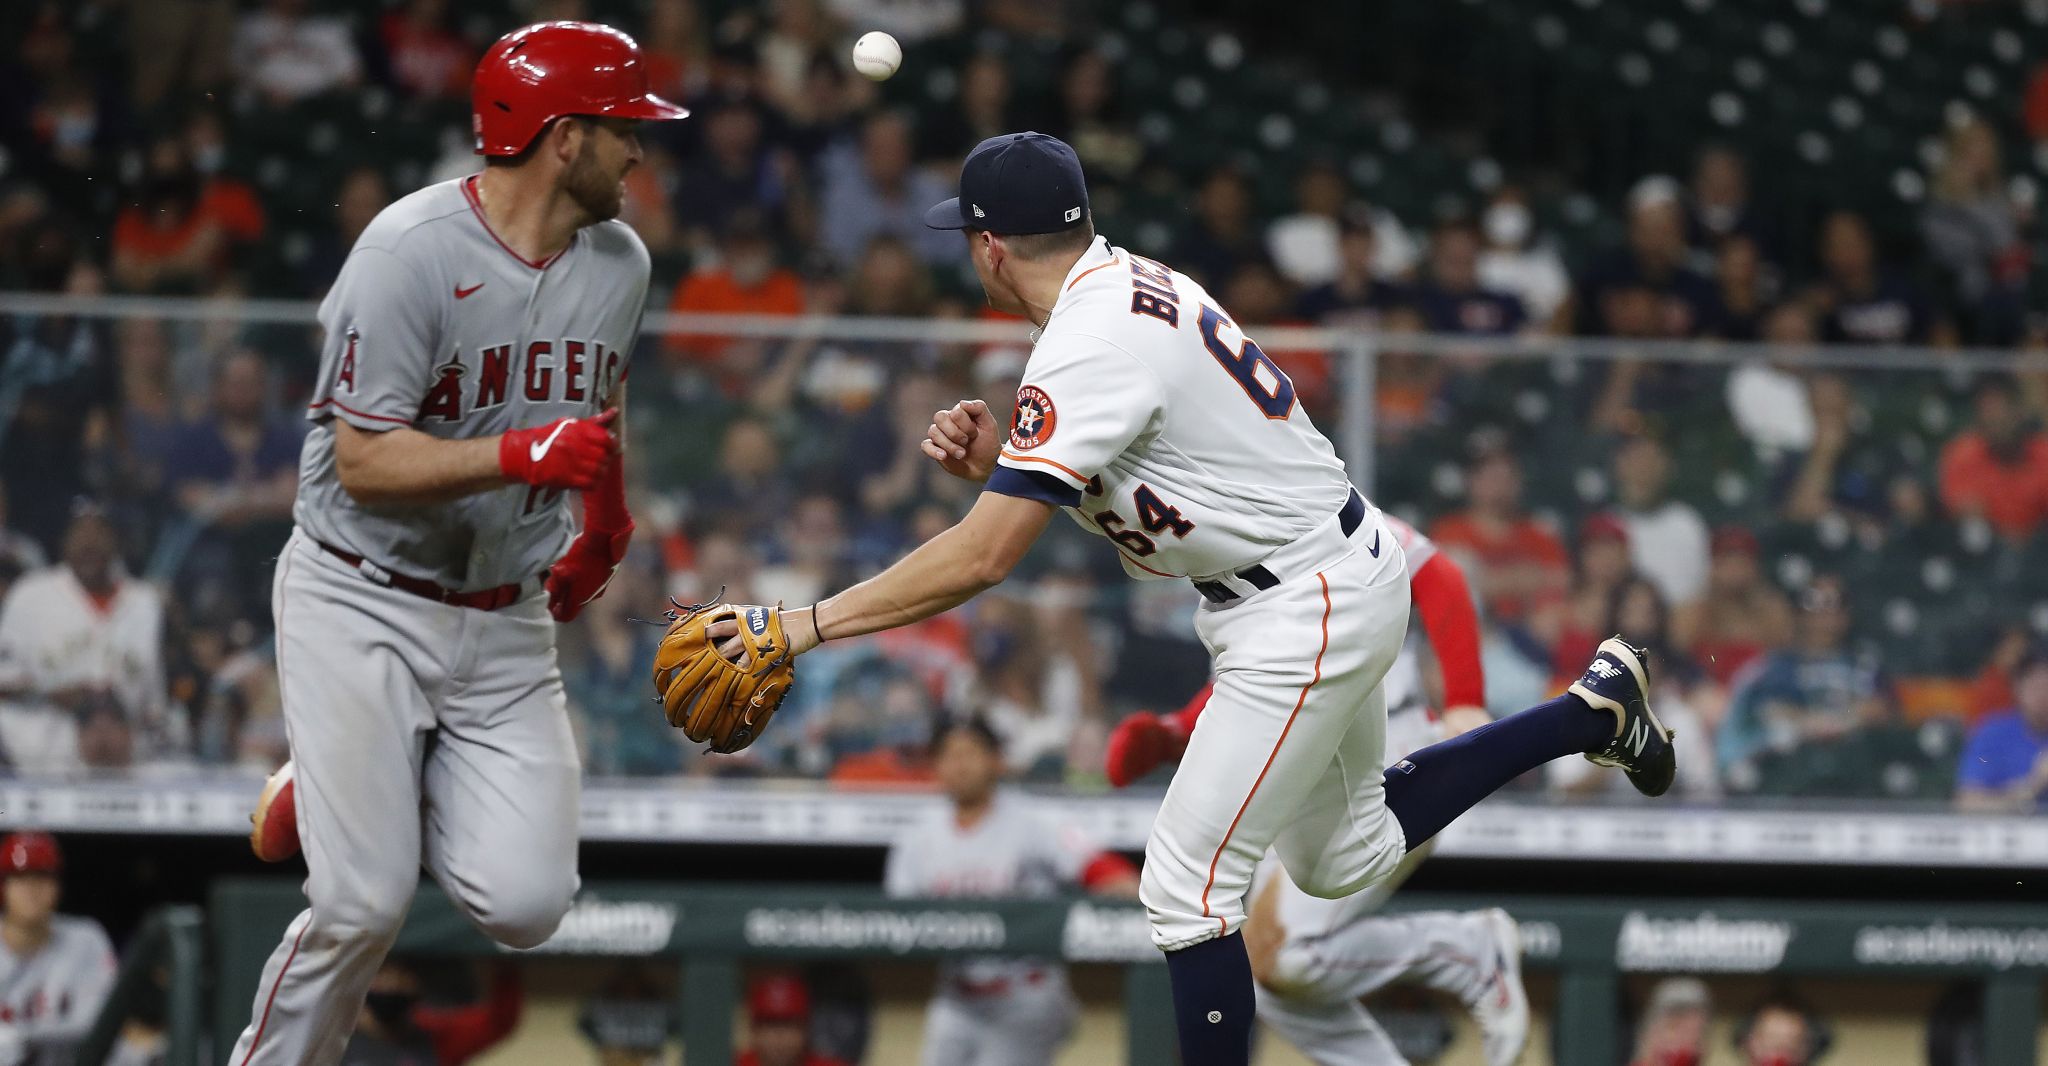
1016,184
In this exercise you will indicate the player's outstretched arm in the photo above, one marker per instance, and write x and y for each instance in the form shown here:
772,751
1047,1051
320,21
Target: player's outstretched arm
943,573
405,466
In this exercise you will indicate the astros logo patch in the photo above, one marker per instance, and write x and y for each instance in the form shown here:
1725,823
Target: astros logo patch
1033,423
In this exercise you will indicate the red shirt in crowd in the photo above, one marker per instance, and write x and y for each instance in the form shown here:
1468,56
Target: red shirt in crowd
717,292
1525,542
811,1058
225,203
2012,496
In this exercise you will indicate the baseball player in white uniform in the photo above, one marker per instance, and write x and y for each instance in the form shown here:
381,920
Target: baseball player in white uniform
1315,958
473,371
55,969
1150,417
990,842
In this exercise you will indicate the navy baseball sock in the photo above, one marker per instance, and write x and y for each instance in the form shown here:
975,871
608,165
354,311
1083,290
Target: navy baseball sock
1432,786
1213,1003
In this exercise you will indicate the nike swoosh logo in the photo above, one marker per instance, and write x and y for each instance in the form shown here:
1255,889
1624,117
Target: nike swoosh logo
1375,549
539,448
463,294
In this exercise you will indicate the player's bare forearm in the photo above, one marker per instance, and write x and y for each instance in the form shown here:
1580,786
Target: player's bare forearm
943,573
406,466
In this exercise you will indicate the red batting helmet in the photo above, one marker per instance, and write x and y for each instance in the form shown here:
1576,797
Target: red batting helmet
30,853
542,72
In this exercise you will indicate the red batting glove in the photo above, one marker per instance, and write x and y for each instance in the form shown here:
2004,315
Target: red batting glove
1139,744
568,453
583,571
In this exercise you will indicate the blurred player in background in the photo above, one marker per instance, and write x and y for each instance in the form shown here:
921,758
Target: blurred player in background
473,370
1673,1028
779,1025
55,969
1314,959
990,842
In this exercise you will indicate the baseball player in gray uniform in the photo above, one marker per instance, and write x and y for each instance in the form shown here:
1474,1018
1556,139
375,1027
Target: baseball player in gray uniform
55,969
988,842
471,379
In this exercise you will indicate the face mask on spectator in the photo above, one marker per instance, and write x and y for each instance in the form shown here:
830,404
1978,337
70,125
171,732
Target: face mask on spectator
208,159
1507,224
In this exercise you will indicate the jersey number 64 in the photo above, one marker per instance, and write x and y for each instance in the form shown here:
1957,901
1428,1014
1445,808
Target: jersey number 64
1261,377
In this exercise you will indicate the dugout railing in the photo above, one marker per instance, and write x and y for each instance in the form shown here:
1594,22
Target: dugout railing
168,951
710,933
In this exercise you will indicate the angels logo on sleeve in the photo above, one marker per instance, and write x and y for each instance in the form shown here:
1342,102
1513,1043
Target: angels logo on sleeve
1034,420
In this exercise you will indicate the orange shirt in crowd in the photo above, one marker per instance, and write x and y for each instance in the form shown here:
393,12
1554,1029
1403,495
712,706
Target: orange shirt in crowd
715,292
2013,497
1525,542
228,204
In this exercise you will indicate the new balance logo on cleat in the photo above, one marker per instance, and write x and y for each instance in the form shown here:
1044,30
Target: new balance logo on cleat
1638,733
1605,669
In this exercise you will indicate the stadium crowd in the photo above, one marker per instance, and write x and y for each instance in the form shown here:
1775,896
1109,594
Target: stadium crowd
1772,531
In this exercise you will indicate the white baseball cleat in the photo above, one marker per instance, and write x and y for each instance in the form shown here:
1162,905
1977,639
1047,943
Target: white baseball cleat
274,824
1500,1006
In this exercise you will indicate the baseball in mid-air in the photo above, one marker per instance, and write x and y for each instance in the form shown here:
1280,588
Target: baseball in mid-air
877,55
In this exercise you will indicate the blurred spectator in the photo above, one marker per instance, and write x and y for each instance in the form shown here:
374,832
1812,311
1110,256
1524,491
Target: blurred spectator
55,969
880,193
462,1031
798,33
1653,263
1849,467
149,420
1744,289
1451,298
1998,469
748,493
910,21
673,42
630,1019
1573,627
779,1025
1035,688
1304,244
178,51
56,389
179,231
1516,262
145,1038
1719,206
426,57
1672,1030
1091,118
1976,235
1520,563
812,553
19,552
1356,297
1992,689
1221,234
745,279
1259,296
889,281
734,172
606,684
72,629
1741,616
286,54
236,464
980,110
1769,400
1781,1031
1861,301
1817,690
363,193
2004,766
1667,538
1639,614
105,740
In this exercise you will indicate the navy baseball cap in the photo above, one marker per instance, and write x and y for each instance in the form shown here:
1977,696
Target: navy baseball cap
1016,184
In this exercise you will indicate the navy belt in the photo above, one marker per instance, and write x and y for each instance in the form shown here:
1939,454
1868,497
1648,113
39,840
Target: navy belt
1261,578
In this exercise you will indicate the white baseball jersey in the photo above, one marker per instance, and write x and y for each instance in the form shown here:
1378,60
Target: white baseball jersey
1146,409
436,325
54,635
50,998
1016,849
1409,723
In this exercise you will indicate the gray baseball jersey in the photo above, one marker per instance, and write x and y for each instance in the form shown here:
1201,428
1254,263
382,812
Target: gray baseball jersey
50,998
435,324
